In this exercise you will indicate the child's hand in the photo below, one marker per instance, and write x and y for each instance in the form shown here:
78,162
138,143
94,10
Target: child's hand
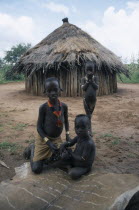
52,146
67,137
90,81
65,155
63,146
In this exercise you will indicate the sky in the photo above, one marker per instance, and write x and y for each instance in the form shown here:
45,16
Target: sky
113,23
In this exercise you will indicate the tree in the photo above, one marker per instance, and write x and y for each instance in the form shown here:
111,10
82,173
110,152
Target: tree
1,63
7,63
13,55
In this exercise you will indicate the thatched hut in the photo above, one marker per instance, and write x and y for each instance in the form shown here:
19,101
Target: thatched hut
63,54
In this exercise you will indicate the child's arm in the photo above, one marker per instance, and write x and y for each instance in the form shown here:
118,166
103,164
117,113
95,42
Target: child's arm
84,84
95,83
69,143
42,113
88,151
40,121
66,122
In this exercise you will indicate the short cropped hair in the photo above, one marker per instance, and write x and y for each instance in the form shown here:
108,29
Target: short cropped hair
84,116
51,79
90,64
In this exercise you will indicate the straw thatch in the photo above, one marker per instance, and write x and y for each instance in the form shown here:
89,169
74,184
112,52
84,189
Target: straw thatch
63,54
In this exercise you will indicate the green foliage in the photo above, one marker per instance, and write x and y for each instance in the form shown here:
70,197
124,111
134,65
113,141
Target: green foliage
7,75
133,69
13,55
134,78
7,63
1,63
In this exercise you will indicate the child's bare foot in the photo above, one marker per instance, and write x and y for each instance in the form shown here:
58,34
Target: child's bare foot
27,152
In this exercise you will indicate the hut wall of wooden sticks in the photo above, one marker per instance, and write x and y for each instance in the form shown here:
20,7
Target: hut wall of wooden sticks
70,82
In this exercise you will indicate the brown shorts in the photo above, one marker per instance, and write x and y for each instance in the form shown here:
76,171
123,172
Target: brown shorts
42,151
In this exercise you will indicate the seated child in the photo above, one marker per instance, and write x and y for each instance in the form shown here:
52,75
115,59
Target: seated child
52,116
78,162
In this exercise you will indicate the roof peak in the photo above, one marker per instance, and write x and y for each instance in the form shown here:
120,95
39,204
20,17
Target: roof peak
65,20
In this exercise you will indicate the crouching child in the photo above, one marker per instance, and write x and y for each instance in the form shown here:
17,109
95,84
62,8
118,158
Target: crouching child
79,161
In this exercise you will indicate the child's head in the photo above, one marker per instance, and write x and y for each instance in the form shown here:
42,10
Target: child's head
82,124
52,88
90,67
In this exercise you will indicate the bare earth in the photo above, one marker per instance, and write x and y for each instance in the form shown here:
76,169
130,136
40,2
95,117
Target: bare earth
115,125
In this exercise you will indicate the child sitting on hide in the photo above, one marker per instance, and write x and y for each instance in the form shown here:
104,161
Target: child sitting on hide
78,162
52,116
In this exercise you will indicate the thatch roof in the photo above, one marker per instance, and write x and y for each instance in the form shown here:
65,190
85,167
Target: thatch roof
68,45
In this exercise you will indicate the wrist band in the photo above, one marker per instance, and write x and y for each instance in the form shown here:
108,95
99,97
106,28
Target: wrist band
83,158
67,132
46,139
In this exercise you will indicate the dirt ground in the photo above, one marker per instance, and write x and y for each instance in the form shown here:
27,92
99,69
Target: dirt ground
115,126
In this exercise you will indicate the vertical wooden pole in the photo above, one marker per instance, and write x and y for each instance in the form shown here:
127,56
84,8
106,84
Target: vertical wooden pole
75,81
78,82
72,84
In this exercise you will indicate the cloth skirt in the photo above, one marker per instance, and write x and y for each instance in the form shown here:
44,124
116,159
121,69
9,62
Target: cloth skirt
42,150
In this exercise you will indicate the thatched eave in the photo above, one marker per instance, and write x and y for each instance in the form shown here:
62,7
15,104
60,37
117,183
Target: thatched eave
71,46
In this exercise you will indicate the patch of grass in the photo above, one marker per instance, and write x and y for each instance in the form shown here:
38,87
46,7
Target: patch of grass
3,115
3,81
9,123
129,142
1,129
116,141
30,141
11,147
106,135
8,146
94,132
13,110
20,126
131,156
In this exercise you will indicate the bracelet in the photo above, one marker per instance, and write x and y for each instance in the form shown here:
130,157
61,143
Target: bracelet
46,139
83,158
67,132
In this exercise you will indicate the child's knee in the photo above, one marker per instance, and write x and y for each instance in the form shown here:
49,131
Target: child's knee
74,175
36,168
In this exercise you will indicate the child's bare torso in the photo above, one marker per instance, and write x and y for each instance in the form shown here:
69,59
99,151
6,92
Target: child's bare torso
90,93
50,121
